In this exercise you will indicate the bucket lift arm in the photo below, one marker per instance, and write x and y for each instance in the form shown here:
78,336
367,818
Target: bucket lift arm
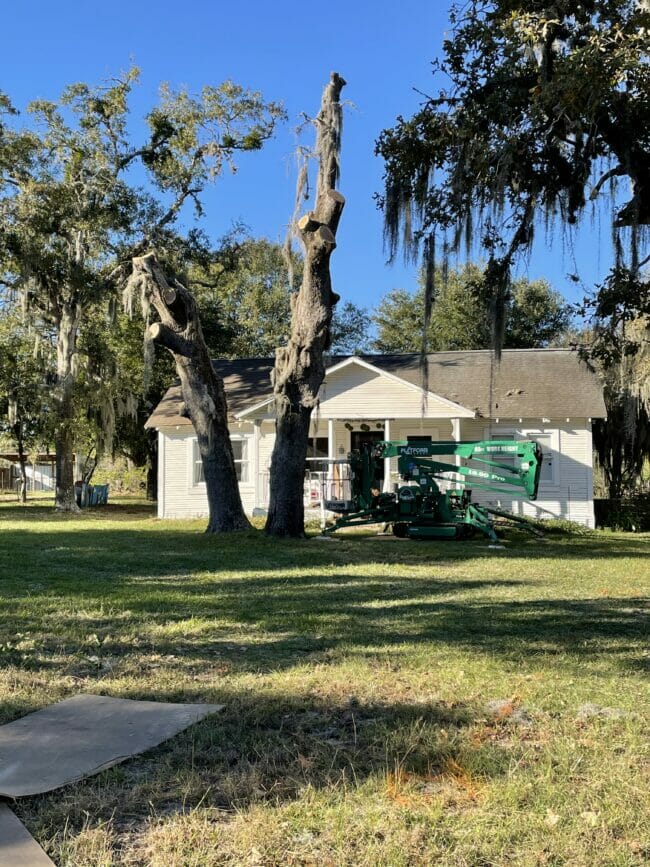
523,472
421,509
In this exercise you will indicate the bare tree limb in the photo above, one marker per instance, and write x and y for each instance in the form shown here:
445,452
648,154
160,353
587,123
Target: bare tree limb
612,173
170,339
299,367
202,389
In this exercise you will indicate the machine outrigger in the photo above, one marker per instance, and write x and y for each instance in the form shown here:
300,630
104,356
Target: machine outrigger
419,508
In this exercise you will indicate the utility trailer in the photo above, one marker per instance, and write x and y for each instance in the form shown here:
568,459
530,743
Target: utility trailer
418,508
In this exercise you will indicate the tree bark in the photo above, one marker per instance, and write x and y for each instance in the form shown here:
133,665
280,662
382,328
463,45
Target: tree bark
22,461
179,331
67,325
299,368
64,450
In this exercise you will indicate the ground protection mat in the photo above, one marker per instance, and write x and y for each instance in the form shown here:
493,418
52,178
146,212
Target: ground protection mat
83,735
17,846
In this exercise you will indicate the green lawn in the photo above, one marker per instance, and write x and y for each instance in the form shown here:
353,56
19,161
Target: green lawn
358,677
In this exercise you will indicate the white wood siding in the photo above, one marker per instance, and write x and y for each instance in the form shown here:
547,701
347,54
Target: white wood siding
178,496
358,393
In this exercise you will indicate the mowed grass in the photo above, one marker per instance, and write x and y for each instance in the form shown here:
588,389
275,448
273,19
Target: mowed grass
387,702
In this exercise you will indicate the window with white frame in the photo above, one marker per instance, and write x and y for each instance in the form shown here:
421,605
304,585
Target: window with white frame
240,449
508,460
197,465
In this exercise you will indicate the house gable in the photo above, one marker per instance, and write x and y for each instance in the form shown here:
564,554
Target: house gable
354,388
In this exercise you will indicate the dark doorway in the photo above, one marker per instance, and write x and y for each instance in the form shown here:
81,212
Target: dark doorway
359,437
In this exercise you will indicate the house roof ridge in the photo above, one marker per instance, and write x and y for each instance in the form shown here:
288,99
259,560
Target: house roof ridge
551,382
466,352
267,359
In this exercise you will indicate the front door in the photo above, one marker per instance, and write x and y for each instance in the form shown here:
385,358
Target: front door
359,437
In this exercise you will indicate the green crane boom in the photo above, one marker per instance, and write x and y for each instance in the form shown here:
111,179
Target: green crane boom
524,473
419,509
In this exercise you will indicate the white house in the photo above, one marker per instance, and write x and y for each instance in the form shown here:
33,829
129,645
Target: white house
548,395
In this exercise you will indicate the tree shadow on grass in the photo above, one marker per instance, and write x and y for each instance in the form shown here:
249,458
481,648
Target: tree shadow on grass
276,606
271,624
92,600
157,550
271,747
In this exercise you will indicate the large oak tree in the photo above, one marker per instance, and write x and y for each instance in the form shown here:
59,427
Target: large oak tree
543,117
73,215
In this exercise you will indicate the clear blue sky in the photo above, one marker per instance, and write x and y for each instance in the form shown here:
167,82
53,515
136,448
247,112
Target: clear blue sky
287,50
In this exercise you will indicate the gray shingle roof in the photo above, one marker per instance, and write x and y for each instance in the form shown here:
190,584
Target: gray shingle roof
528,383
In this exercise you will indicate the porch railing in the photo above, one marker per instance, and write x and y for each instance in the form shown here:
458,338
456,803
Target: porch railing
331,485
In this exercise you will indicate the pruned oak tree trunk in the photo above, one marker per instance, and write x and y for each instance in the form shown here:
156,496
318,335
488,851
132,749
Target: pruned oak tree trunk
179,331
299,368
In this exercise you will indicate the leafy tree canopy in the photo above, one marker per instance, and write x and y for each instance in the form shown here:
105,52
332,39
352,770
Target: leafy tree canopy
74,207
25,401
25,369
536,315
545,107
244,294
71,216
